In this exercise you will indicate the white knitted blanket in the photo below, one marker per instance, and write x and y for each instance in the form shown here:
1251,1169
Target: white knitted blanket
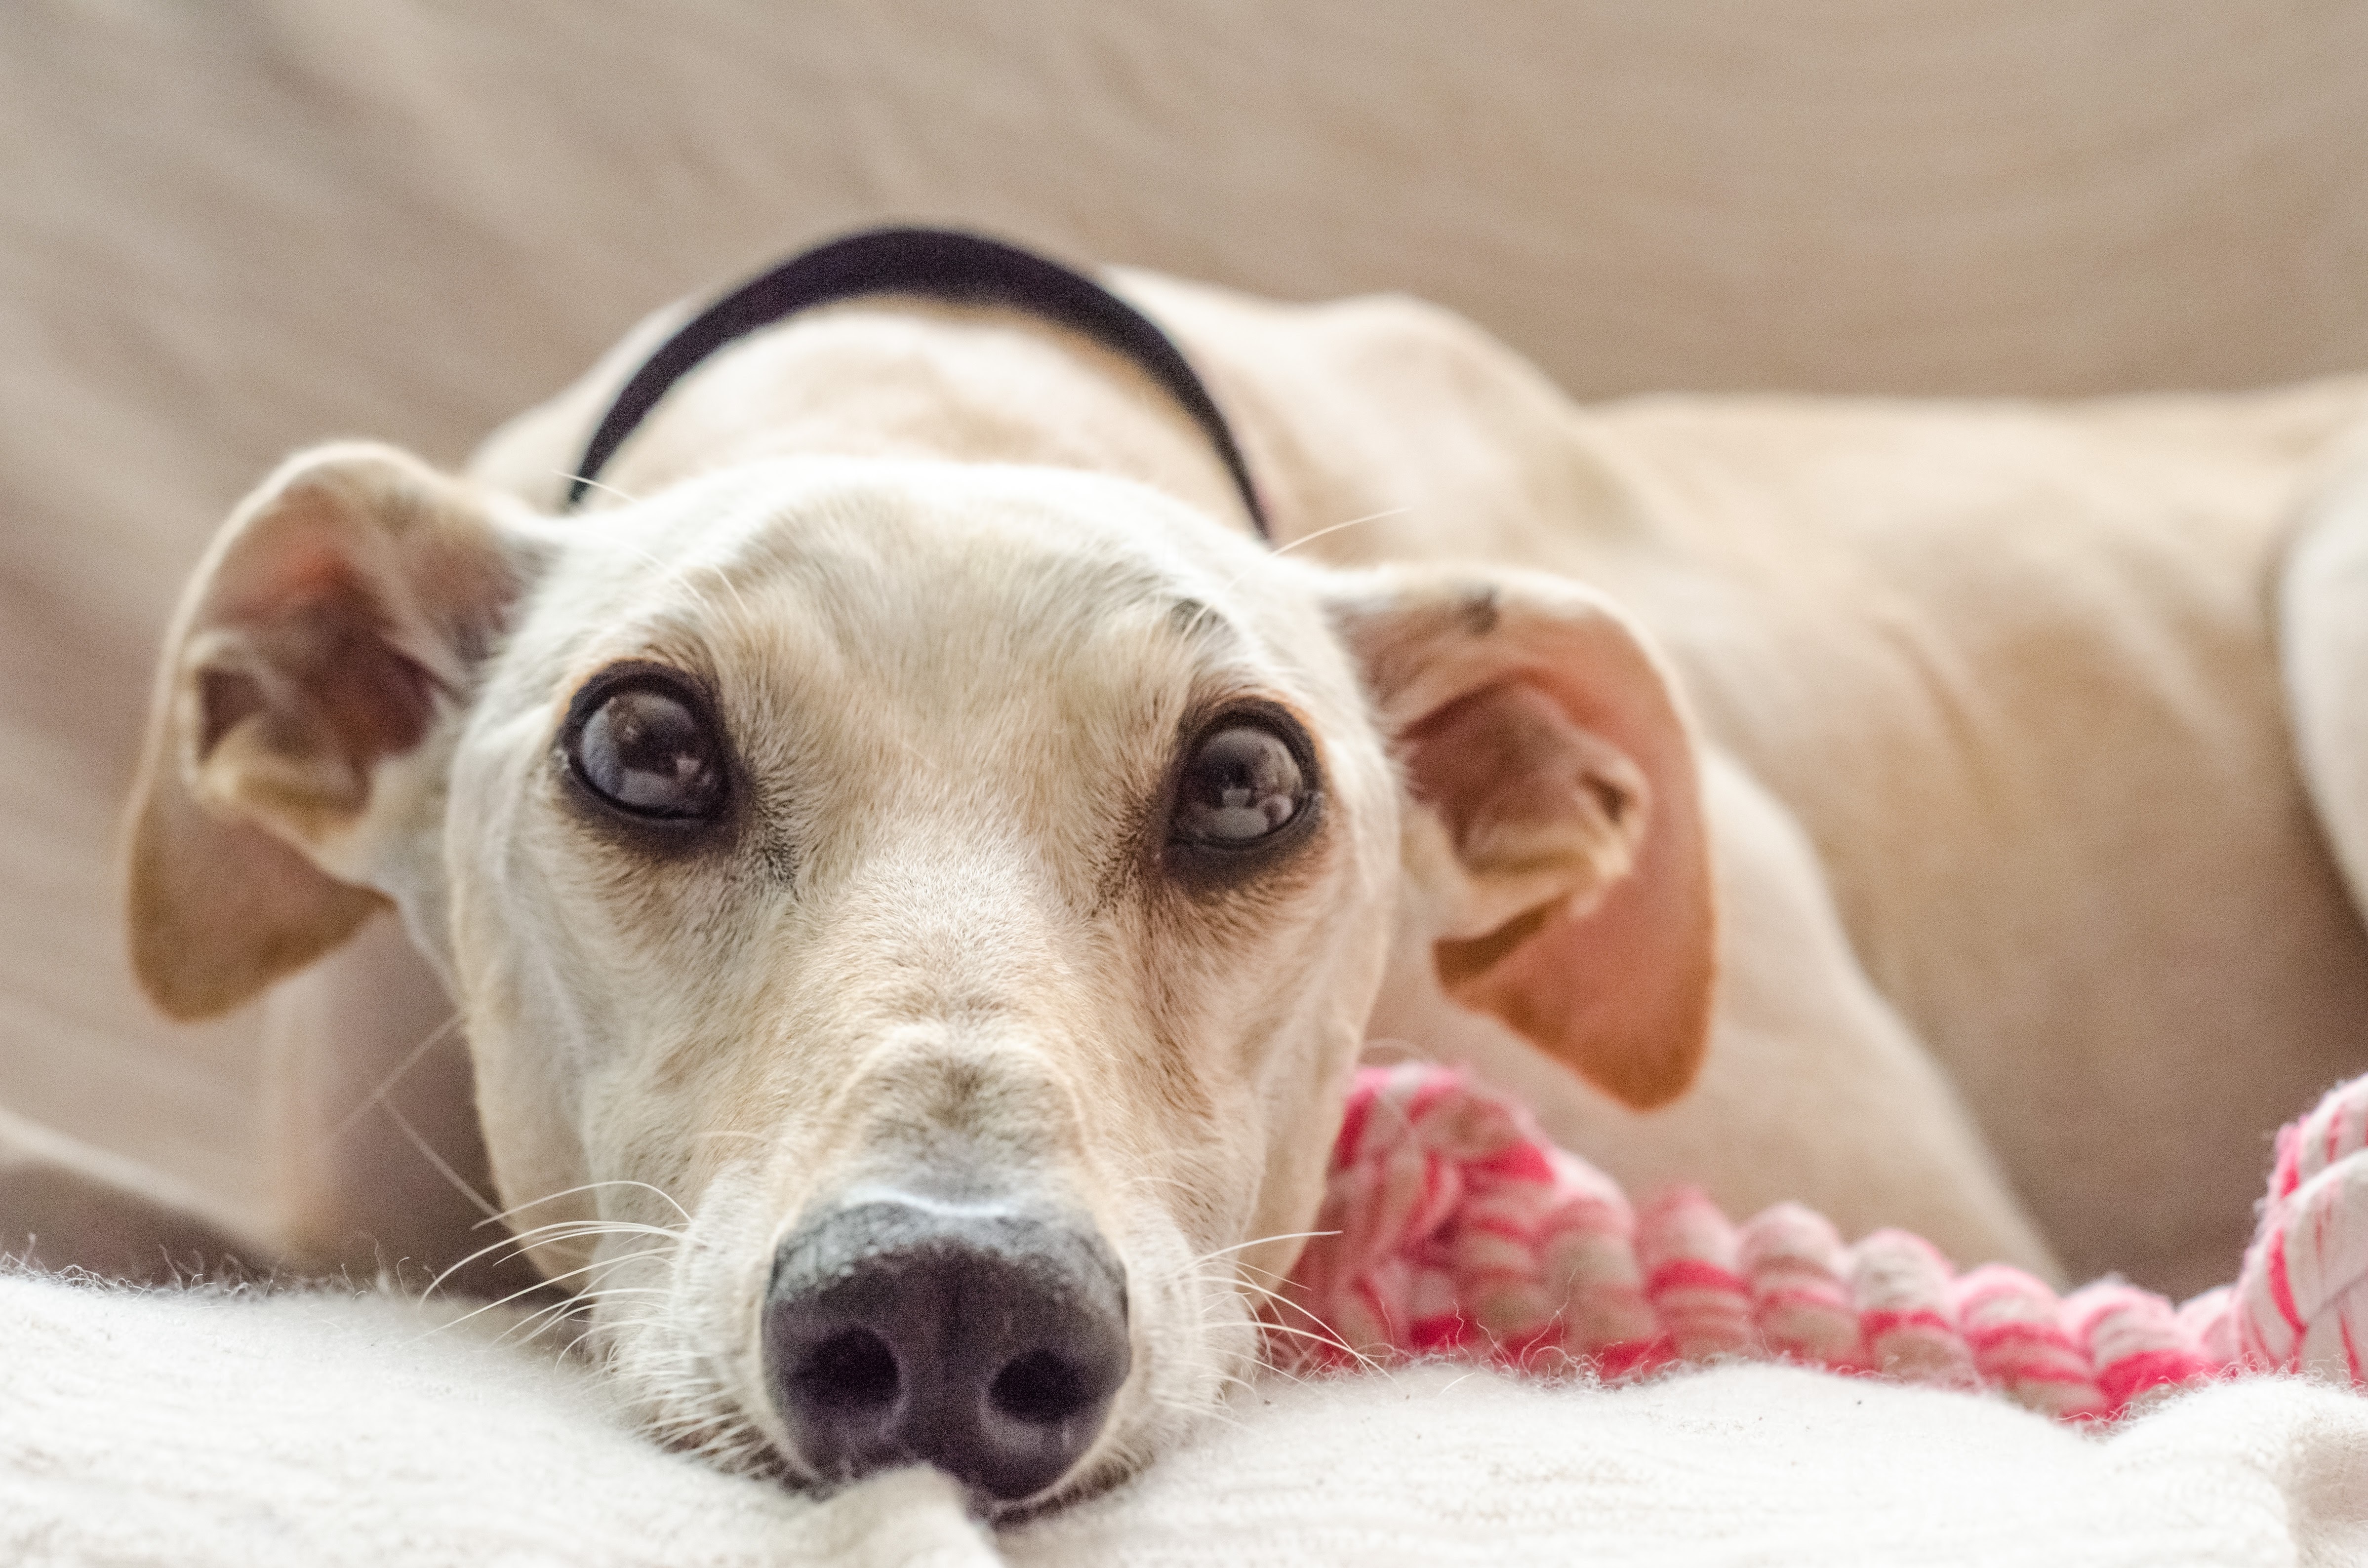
198,1430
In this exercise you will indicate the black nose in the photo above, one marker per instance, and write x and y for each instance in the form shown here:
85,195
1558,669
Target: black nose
981,1340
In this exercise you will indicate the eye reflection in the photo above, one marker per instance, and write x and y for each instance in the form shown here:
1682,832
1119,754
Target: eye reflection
646,750
1242,783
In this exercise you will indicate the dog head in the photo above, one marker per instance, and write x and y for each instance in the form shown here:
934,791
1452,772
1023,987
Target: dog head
913,921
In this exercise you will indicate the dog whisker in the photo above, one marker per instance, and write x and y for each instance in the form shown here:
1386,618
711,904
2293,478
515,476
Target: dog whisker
410,1060
591,482
1247,1286
1321,1333
1318,1329
1268,1273
427,1153
586,1300
1234,1277
1330,1341
1233,1272
568,1230
572,1229
1319,533
590,1187
1259,1240
542,1320
530,1289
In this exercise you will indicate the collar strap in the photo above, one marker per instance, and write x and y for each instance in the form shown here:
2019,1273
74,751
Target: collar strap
935,264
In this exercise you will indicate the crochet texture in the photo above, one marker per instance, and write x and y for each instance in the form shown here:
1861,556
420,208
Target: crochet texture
1453,1228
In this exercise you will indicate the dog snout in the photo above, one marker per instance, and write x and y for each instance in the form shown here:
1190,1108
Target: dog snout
983,1340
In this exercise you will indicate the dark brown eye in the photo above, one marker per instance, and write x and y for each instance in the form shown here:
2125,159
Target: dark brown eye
647,751
1243,783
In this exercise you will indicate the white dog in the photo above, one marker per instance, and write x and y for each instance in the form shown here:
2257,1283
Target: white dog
915,869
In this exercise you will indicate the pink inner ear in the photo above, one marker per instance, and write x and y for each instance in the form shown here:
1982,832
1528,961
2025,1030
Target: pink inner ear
306,612
1499,766
1620,993
305,568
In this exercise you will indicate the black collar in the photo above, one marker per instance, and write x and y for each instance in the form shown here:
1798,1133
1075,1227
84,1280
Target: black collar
936,263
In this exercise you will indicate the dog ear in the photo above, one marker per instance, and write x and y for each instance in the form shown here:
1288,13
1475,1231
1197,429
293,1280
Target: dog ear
1555,838
312,658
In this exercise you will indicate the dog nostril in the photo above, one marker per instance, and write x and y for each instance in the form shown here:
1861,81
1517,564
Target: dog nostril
1040,1388
987,1341
849,1371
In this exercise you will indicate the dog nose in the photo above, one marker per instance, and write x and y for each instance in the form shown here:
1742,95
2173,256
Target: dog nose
983,1340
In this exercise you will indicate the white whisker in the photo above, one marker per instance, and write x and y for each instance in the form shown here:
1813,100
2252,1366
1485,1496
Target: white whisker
1259,1240
406,1065
590,1187
436,1160
1319,533
572,1228
591,484
530,1289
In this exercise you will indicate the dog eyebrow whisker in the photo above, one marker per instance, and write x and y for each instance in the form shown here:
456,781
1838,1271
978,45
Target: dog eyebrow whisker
1319,533
596,484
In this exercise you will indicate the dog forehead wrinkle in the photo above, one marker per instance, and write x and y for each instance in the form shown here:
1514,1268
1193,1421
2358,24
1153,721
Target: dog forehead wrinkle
1120,541
933,641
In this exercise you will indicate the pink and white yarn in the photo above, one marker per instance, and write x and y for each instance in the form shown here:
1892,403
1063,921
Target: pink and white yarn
1453,1228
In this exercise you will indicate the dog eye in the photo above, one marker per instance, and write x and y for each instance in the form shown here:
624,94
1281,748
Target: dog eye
646,750
1242,783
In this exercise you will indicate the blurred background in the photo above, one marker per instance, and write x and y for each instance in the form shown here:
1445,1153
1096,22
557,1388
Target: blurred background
230,228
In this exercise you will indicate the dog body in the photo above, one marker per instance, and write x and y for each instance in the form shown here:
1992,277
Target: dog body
1034,851
2000,775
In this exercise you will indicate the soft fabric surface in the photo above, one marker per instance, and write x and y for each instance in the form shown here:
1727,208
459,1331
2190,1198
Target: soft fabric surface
198,1430
314,1430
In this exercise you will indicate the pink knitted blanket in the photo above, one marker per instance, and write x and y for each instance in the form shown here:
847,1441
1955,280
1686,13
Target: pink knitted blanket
1453,1228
